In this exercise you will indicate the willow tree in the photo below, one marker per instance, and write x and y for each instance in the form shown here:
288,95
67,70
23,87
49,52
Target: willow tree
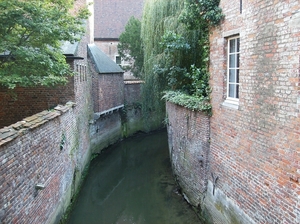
158,17
176,52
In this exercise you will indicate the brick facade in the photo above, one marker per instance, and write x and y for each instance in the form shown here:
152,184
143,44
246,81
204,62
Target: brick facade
111,16
255,147
254,170
110,91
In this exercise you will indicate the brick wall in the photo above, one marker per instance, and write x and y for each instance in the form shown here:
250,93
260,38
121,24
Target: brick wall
110,48
110,91
22,102
188,134
51,148
132,91
255,147
111,16
36,151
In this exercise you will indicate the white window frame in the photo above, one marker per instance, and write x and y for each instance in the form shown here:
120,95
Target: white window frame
235,69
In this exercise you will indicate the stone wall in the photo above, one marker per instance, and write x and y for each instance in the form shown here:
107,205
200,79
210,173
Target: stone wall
255,144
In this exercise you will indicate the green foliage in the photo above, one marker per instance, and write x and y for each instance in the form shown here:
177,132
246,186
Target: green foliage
191,102
201,13
130,47
175,36
31,34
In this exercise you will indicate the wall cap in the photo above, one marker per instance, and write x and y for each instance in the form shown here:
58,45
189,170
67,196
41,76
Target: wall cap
8,134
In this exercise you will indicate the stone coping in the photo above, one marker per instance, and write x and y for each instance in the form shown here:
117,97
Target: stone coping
128,82
7,134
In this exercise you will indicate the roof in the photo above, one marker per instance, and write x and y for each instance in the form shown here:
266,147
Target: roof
103,64
68,49
111,16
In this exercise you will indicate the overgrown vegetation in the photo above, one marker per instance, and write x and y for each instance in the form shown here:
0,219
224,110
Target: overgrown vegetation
32,33
174,39
130,47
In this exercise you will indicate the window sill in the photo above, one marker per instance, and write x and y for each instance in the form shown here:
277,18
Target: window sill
230,104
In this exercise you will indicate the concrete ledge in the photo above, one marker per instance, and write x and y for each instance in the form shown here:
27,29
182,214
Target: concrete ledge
106,112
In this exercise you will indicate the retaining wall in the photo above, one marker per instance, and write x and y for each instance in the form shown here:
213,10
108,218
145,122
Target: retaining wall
188,134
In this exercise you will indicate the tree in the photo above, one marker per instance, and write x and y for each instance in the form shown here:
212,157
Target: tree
31,34
130,46
175,35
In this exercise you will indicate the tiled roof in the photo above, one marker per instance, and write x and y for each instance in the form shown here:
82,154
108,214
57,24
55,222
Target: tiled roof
111,16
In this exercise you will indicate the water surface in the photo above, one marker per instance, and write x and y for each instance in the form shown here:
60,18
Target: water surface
132,182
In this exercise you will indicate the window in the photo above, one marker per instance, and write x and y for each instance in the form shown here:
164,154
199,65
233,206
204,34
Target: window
118,60
241,6
233,64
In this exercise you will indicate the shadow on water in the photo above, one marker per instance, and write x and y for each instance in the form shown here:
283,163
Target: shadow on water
132,182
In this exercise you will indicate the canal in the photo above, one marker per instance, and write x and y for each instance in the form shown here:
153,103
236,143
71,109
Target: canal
132,182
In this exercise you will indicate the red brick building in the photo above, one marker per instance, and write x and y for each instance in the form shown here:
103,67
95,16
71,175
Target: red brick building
111,17
255,132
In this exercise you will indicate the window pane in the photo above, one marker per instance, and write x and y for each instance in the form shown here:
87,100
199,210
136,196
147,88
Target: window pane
238,60
232,46
238,44
231,75
231,90
238,76
118,60
237,91
232,63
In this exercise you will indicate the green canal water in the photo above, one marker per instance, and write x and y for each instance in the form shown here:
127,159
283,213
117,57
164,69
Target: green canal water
132,182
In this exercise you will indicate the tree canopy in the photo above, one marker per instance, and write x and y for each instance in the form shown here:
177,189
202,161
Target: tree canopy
31,34
175,36
130,46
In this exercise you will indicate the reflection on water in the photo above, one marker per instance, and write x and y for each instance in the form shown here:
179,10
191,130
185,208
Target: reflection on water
132,182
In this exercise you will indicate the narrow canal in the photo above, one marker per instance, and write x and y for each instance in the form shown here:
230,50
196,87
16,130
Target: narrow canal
132,182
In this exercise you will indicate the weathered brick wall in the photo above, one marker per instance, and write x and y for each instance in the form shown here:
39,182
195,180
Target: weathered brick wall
132,91
23,102
110,91
188,134
132,119
255,148
36,151
50,148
